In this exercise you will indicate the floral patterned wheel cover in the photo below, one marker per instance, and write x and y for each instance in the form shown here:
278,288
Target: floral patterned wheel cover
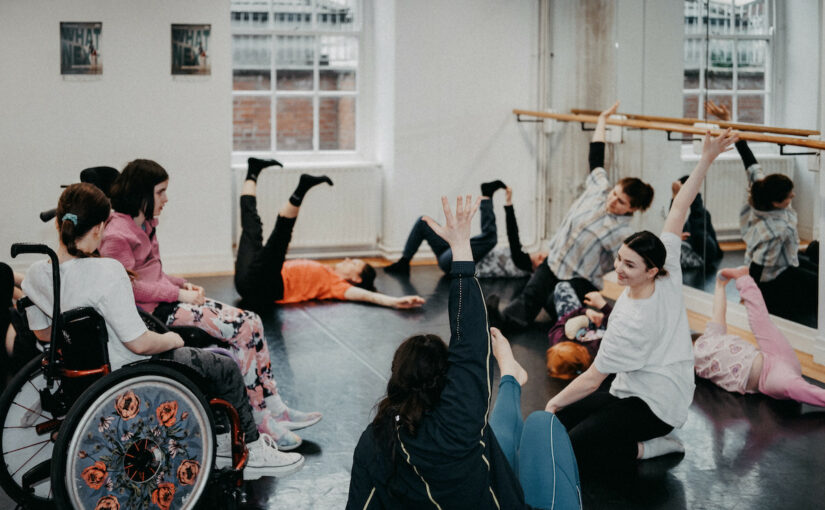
144,443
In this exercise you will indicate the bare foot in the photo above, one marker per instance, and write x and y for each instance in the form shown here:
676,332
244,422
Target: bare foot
732,273
507,364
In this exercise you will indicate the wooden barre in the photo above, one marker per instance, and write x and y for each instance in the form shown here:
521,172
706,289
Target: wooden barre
721,123
675,128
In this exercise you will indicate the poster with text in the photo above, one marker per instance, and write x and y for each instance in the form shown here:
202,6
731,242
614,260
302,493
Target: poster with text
190,49
80,48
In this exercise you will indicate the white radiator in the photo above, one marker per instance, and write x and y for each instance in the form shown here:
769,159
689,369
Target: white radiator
334,220
725,189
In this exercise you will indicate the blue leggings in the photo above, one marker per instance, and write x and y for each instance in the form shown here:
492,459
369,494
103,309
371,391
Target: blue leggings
537,449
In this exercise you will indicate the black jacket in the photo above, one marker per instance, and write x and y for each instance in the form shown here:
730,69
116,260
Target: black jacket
454,460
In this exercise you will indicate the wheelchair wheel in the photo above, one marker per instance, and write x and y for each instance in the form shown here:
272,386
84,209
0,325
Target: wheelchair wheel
139,437
27,452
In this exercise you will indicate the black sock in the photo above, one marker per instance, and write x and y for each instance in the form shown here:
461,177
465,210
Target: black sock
255,165
307,181
488,188
401,266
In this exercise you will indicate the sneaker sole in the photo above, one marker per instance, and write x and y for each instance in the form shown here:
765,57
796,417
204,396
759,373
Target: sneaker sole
254,473
298,425
290,447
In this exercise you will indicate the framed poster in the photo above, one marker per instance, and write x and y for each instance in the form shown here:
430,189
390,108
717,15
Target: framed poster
80,47
190,49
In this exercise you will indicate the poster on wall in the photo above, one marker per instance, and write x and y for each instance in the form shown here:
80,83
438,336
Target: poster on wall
80,48
190,49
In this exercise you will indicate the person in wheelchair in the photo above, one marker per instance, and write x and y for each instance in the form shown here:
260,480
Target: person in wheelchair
138,196
16,349
103,284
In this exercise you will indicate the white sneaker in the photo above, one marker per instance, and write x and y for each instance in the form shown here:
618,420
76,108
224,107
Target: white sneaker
264,458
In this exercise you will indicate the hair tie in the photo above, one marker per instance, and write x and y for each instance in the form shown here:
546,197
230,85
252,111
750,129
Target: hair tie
71,217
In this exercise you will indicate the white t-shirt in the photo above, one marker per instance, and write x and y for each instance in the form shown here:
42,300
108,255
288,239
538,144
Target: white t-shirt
647,345
100,283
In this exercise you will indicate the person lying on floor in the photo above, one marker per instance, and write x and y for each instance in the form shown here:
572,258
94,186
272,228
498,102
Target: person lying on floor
138,196
583,246
647,345
736,365
430,444
103,284
262,273
491,261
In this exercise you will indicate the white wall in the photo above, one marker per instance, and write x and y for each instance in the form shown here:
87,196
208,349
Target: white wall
457,70
51,128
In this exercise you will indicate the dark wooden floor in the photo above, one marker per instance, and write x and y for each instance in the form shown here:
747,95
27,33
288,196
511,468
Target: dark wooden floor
742,452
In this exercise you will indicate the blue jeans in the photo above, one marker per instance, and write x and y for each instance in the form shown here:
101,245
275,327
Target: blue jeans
480,244
537,449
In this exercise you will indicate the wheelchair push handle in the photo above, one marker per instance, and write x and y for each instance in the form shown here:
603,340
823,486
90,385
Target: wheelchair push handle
49,215
21,248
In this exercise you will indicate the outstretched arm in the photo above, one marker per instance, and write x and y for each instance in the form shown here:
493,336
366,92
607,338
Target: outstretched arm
579,388
404,302
720,302
520,258
714,145
601,125
722,112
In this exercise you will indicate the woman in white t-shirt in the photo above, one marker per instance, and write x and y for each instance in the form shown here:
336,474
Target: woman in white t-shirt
647,345
103,284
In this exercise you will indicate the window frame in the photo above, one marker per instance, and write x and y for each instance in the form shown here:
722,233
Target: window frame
316,94
704,38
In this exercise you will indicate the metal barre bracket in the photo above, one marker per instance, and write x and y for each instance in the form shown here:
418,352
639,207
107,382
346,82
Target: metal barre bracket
519,119
671,138
783,153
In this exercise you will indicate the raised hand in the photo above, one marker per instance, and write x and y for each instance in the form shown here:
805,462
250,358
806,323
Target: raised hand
719,111
715,145
456,229
610,111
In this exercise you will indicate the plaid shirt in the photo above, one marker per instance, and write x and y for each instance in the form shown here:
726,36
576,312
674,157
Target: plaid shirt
771,238
586,242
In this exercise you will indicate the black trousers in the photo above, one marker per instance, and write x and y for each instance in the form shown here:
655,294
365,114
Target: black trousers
258,265
538,294
605,429
792,295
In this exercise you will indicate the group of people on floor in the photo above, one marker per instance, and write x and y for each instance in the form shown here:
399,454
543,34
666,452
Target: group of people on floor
434,439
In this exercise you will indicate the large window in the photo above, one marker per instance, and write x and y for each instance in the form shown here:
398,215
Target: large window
728,57
295,66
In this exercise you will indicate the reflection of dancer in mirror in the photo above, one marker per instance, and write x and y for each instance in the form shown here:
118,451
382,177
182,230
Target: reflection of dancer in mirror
769,228
262,273
647,345
735,364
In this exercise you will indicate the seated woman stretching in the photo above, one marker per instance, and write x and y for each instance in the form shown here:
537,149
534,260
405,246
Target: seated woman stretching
430,444
647,345
262,273
138,197
768,224
734,364
87,280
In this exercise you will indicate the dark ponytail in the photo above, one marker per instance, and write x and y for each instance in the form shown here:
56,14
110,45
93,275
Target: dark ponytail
419,372
650,248
80,208
773,188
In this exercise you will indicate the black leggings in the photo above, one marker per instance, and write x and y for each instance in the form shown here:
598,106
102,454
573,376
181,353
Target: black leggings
258,266
605,429
538,294
792,295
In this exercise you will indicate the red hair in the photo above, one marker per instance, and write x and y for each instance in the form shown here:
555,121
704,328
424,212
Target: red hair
566,360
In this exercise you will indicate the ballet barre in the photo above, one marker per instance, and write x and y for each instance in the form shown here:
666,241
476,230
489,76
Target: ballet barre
671,127
721,123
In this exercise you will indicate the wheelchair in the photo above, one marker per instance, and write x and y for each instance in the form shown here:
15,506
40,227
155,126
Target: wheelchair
76,434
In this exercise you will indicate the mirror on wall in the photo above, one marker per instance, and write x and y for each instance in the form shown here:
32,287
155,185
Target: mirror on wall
748,61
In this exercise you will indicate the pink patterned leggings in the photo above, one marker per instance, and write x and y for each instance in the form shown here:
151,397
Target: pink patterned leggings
781,373
243,332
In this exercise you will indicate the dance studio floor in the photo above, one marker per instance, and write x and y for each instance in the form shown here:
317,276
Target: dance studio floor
742,452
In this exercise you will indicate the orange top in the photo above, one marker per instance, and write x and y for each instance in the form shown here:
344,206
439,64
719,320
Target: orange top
306,279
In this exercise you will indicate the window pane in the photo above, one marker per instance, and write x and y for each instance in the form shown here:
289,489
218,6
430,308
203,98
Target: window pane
695,16
294,51
294,118
751,64
751,108
752,17
292,14
290,79
337,80
251,61
719,18
251,121
337,123
250,13
720,68
693,58
337,51
690,106
337,15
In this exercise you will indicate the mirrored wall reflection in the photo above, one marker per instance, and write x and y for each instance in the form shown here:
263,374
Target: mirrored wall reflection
756,206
